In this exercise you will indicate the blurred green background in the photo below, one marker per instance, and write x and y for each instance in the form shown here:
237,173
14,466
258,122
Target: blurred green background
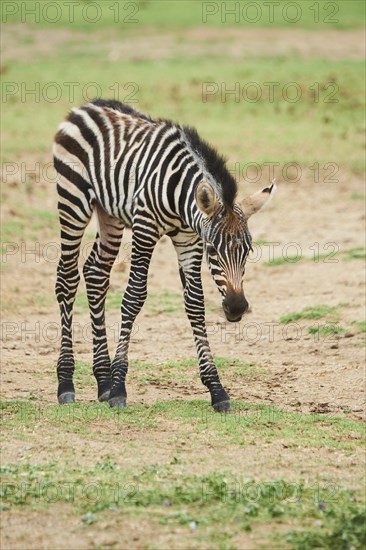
162,58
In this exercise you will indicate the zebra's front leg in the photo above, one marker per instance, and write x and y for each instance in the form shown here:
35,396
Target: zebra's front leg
194,305
143,244
190,259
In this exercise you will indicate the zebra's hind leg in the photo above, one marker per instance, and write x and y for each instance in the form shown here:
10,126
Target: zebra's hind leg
73,221
96,271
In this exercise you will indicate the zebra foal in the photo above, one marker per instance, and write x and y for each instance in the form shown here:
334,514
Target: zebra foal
159,178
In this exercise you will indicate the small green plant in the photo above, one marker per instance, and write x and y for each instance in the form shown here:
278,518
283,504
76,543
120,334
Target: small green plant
359,325
357,196
83,374
280,260
326,330
260,242
310,312
343,530
357,253
12,230
167,302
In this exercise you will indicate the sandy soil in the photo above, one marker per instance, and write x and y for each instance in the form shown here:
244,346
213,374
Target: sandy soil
305,371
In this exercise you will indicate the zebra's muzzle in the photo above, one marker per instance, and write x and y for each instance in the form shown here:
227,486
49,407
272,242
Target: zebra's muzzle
234,306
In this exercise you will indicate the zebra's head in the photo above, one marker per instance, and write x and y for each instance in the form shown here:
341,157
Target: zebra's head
227,243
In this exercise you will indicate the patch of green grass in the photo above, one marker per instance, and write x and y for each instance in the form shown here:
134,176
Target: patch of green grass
187,370
149,373
167,302
26,40
267,422
203,501
244,425
343,531
78,417
326,330
12,230
357,196
42,219
81,301
42,299
185,364
178,365
113,300
18,228
355,253
152,378
358,253
280,260
167,491
260,242
359,325
83,374
239,368
226,363
310,312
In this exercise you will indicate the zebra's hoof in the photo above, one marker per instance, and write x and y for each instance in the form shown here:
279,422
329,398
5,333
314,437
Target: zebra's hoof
118,401
222,407
66,397
104,396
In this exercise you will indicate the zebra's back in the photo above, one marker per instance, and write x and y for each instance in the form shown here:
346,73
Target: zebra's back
108,152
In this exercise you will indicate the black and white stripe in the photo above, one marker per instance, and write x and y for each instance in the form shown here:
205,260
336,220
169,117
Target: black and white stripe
158,178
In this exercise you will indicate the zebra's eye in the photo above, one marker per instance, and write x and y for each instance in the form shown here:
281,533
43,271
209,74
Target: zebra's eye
211,250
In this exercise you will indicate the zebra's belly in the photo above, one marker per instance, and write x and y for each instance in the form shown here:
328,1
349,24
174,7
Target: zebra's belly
123,213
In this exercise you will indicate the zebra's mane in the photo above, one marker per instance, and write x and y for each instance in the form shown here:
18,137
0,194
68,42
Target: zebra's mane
213,164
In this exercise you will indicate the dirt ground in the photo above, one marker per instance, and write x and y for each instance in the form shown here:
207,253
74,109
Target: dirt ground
310,372
304,370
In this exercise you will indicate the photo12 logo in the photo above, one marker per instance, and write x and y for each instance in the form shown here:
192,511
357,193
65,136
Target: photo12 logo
72,92
69,12
269,12
93,492
270,91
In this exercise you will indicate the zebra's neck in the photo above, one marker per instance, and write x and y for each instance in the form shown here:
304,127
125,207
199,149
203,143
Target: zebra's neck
195,219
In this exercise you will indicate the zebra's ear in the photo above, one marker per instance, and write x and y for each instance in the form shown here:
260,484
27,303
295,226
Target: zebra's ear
206,198
251,205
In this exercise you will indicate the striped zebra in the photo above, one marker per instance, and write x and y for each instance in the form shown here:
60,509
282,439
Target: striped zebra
158,178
